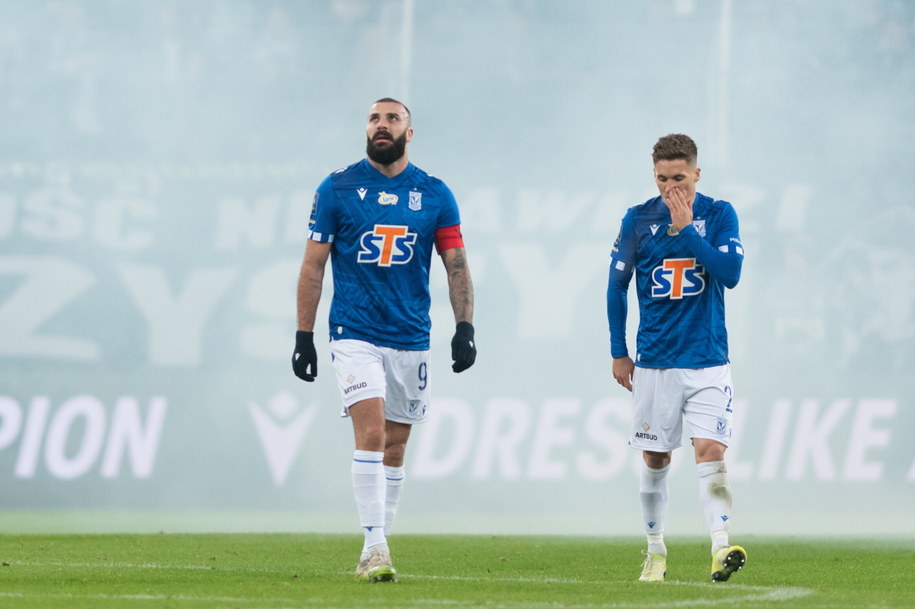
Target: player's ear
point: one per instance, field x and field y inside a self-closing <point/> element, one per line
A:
<point x="409" y="134"/>
<point x="698" y="171"/>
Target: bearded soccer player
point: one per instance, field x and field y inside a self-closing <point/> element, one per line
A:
<point x="684" y="249"/>
<point x="379" y="221"/>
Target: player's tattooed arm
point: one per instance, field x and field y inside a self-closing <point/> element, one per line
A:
<point x="311" y="278"/>
<point x="460" y="283"/>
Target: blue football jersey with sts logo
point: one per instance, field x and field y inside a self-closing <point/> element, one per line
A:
<point x="680" y="283"/>
<point x="383" y="234"/>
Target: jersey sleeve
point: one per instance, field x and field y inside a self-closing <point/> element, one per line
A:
<point x="621" y="270"/>
<point x="723" y="258"/>
<point x="322" y="225"/>
<point x="449" y="214"/>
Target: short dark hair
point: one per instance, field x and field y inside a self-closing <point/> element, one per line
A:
<point x="675" y="146"/>
<point x="395" y="101"/>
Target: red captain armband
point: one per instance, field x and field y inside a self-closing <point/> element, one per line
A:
<point x="448" y="237"/>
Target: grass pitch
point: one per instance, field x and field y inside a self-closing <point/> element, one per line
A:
<point x="274" y="571"/>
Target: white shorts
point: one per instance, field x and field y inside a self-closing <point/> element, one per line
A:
<point x="400" y="378"/>
<point x="664" y="398"/>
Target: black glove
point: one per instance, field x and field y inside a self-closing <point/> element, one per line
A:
<point x="305" y="356"/>
<point x="463" y="351"/>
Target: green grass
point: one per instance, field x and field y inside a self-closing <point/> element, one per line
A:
<point x="248" y="571"/>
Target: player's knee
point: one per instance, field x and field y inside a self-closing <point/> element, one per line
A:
<point x="656" y="460"/>
<point x="394" y="454"/>
<point x="709" y="450"/>
<point x="370" y="437"/>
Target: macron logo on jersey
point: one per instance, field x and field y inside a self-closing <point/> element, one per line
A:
<point x="386" y="244"/>
<point x="676" y="278"/>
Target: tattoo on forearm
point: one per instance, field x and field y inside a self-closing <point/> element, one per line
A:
<point x="460" y="287"/>
<point x="315" y="283"/>
<point x="459" y="261"/>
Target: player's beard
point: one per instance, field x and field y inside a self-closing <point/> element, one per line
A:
<point x="387" y="154"/>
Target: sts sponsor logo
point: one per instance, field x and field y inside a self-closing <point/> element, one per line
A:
<point x="677" y="277"/>
<point x="386" y="244"/>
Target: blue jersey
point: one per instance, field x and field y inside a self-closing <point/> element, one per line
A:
<point x="680" y="283"/>
<point x="383" y="233"/>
